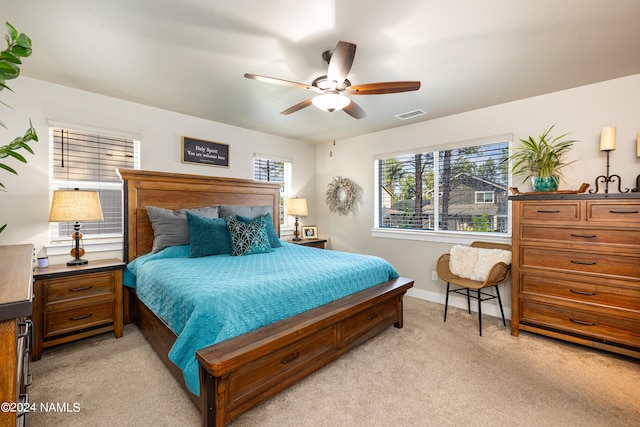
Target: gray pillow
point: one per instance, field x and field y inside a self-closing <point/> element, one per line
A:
<point x="170" y="227"/>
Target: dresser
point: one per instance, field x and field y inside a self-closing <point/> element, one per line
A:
<point x="16" y="266"/>
<point x="576" y="269"/>
<point x="73" y="302"/>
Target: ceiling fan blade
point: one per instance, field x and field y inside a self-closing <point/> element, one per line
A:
<point x="279" y="81"/>
<point x="298" y="106"/>
<point x="340" y="62"/>
<point x="381" y="88"/>
<point x="354" y="110"/>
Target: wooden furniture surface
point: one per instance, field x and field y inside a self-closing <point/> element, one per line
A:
<point x="314" y="243"/>
<point x="16" y="267"/>
<point x="239" y="373"/>
<point x="73" y="302"/>
<point x="576" y="269"/>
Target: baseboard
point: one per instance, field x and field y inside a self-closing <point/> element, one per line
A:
<point x="489" y="308"/>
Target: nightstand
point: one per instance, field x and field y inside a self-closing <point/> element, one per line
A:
<point x="73" y="302"/>
<point x="316" y="243"/>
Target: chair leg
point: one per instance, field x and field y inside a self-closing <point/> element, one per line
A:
<point x="468" y="301"/>
<point x="504" y="322"/>
<point x="446" y="302"/>
<point x="480" y="312"/>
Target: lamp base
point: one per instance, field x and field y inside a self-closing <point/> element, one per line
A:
<point x="296" y="239"/>
<point x="77" y="261"/>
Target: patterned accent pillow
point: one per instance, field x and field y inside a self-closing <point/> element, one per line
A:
<point x="207" y="236"/>
<point x="248" y="238"/>
<point x="274" y="240"/>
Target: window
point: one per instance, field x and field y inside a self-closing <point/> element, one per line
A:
<point x="458" y="189"/>
<point x="88" y="161"/>
<point x="485" y="196"/>
<point x="268" y="169"/>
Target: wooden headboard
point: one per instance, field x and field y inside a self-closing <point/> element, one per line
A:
<point x="176" y="191"/>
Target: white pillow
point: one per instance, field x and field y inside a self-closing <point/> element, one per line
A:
<point x="475" y="263"/>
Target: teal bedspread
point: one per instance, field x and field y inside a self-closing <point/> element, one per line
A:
<point x="211" y="299"/>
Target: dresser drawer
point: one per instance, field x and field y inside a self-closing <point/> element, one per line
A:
<point x="70" y="320"/>
<point x="593" y="291"/>
<point x="584" y="262"/>
<point x="63" y="290"/>
<point x="351" y="329"/>
<point x="542" y="211"/>
<point x="619" y="212"/>
<point x="256" y="376"/>
<point x="591" y="323"/>
<point x="581" y="235"/>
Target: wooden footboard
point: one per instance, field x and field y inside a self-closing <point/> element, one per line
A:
<point x="240" y="373"/>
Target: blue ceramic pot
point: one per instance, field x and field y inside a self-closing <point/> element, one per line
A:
<point x="547" y="183"/>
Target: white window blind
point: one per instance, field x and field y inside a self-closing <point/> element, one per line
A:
<point x="275" y="170"/>
<point x="459" y="189"/>
<point x="88" y="161"/>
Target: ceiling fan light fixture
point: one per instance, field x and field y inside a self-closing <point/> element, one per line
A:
<point x="331" y="101"/>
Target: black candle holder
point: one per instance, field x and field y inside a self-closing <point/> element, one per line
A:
<point x="637" y="189"/>
<point x="606" y="179"/>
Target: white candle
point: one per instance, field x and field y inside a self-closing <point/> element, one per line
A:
<point x="608" y="138"/>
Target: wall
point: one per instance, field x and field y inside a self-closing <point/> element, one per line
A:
<point x="583" y="111"/>
<point x="25" y="204"/>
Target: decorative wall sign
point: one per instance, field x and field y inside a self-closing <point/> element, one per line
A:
<point x="204" y="152"/>
<point x="341" y="195"/>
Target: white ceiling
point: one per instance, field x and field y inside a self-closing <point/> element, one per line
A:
<point x="190" y="56"/>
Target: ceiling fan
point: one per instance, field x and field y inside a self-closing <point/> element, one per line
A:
<point x="332" y="88"/>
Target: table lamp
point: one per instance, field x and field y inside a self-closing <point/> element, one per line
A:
<point x="297" y="207"/>
<point x="75" y="206"/>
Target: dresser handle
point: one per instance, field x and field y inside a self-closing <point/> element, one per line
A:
<point x="584" y="262"/>
<point x="81" y="289"/>
<point x="290" y="359"/>
<point x="586" y="236"/>
<point x="548" y="211"/>
<point x="581" y="322"/>
<point x="372" y="316"/>
<point x="582" y="292"/>
<point x="623" y="212"/>
<point x="86" y="316"/>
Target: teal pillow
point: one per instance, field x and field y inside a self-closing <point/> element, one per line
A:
<point x="207" y="236"/>
<point x="248" y="238"/>
<point x="274" y="240"/>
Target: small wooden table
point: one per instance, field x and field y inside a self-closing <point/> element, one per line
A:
<point x="316" y="243"/>
<point x="73" y="302"/>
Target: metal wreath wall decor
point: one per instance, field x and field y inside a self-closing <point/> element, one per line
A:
<point x="341" y="195"/>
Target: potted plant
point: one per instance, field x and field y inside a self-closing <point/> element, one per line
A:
<point x="542" y="159"/>
<point x="18" y="46"/>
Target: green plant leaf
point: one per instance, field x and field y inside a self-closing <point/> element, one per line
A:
<point x="12" y="32"/>
<point x="8" y="169"/>
<point x="2" y="228"/>
<point x="16" y="156"/>
<point x="8" y="56"/>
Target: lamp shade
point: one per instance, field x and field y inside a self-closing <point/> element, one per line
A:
<point x="297" y="207"/>
<point x="331" y="101"/>
<point x="75" y="205"/>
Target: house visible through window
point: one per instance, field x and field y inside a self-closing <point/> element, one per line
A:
<point x="273" y="170"/>
<point x="88" y="161"/>
<point x="461" y="189"/>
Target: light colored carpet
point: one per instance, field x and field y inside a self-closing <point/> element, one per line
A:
<point x="429" y="373"/>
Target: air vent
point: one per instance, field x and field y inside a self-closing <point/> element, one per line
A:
<point x="411" y="114"/>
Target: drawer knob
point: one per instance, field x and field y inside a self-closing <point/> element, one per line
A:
<point x="582" y="322"/>
<point x="548" y="211"/>
<point x="584" y="262"/>
<point x="582" y="292"/>
<point x="291" y="358"/>
<point x="623" y="212"/>
<point x="586" y="236"/>
<point x="81" y="289"/>
<point x="372" y="316"/>
<point x="86" y="316"/>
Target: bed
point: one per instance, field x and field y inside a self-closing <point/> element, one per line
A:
<point x="241" y="371"/>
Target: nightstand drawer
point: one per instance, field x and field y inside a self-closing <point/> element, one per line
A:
<point x="70" y="320"/>
<point x="61" y="290"/>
